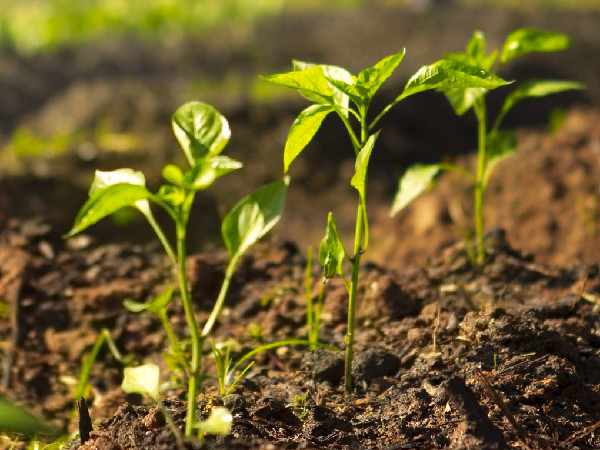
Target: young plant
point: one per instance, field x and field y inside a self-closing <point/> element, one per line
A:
<point x="225" y="373"/>
<point x="332" y="89"/>
<point x="202" y="133"/>
<point x="494" y="145"/>
<point x="145" y="380"/>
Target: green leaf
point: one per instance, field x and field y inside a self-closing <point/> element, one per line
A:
<point x="302" y="131"/>
<point x="446" y="74"/>
<point x="219" y="422"/>
<point x="528" y="40"/>
<point x="537" y="88"/>
<point x="355" y="93"/>
<point x="371" y="79"/>
<point x="156" y="305"/>
<point x="201" y="130"/>
<point x="173" y="174"/>
<point x="206" y="171"/>
<point x="414" y="181"/>
<point x="253" y="217"/>
<point x="339" y="97"/>
<point x="462" y="99"/>
<point x="501" y="145"/>
<point x="102" y="180"/>
<point x="361" y="165"/>
<point x="331" y="250"/>
<point x="476" y="49"/>
<point x="173" y="196"/>
<point x="144" y="380"/>
<point x="107" y="201"/>
<point x="15" y="419"/>
<point x="311" y="83"/>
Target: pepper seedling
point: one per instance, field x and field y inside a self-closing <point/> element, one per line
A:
<point x="332" y="89"/>
<point x="202" y="133"/>
<point x="494" y="144"/>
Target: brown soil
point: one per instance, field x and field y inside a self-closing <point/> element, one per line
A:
<point x="449" y="355"/>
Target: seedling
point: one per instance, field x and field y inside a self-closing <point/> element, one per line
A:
<point x="494" y="145"/>
<point x="334" y="89"/>
<point x="225" y="372"/>
<point x="299" y="408"/>
<point x="145" y="380"/>
<point x="202" y="133"/>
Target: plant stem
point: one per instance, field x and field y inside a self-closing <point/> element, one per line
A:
<point x="162" y="238"/>
<point x="196" y="338"/>
<point x="216" y="312"/>
<point x="349" y="339"/>
<point x="481" y="164"/>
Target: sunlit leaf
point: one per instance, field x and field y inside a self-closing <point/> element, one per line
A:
<point x="502" y="145"/>
<point x="157" y="304"/>
<point x="359" y="179"/>
<point x="206" y="171"/>
<point x="174" y="196"/>
<point x="219" y="422"/>
<point x="302" y="131"/>
<point x="528" y="40"/>
<point x="173" y="174"/>
<point x="107" y="201"/>
<point x="476" y="48"/>
<point x="144" y="380"/>
<point x="311" y="83"/>
<point x="253" y="217"/>
<point x="339" y="97"/>
<point x="102" y="180"/>
<point x="331" y="250"/>
<point x="537" y="88"/>
<point x="201" y="130"/>
<point x="414" y="181"/>
<point x="446" y="74"/>
<point x="463" y="99"/>
<point x="371" y="79"/>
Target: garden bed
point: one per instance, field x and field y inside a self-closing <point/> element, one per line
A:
<point x="449" y="355"/>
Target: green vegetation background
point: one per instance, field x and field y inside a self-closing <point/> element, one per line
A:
<point x="34" y="25"/>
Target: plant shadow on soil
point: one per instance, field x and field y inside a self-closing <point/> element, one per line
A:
<point x="449" y="356"/>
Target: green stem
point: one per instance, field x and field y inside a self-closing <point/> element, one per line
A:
<point x="349" y="339"/>
<point x="353" y="138"/>
<point x="164" y="319"/>
<point x="481" y="165"/>
<point x="196" y="338"/>
<point x="216" y="312"/>
<point x="162" y="238"/>
<point x="317" y="313"/>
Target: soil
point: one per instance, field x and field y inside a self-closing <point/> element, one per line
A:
<point x="506" y="355"/>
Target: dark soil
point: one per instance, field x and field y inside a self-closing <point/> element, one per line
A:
<point x="449" y="355"/>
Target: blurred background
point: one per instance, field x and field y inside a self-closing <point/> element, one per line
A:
<point x="92" y="84"/>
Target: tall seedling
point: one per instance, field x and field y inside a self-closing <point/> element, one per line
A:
<point x="202" y="133"/>
<point x="494" y="145"/>
<point x="333" y="89"/>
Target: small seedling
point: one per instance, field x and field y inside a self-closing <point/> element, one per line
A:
<point x="202" y="133"/>
<point x="299" y="408"/>
<point x="219" y="423"/>
<point x="332" y="89"/>
<point x="494" y="145"/>
<point x="225" y="371"/>
<point x="145" y="380"/>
